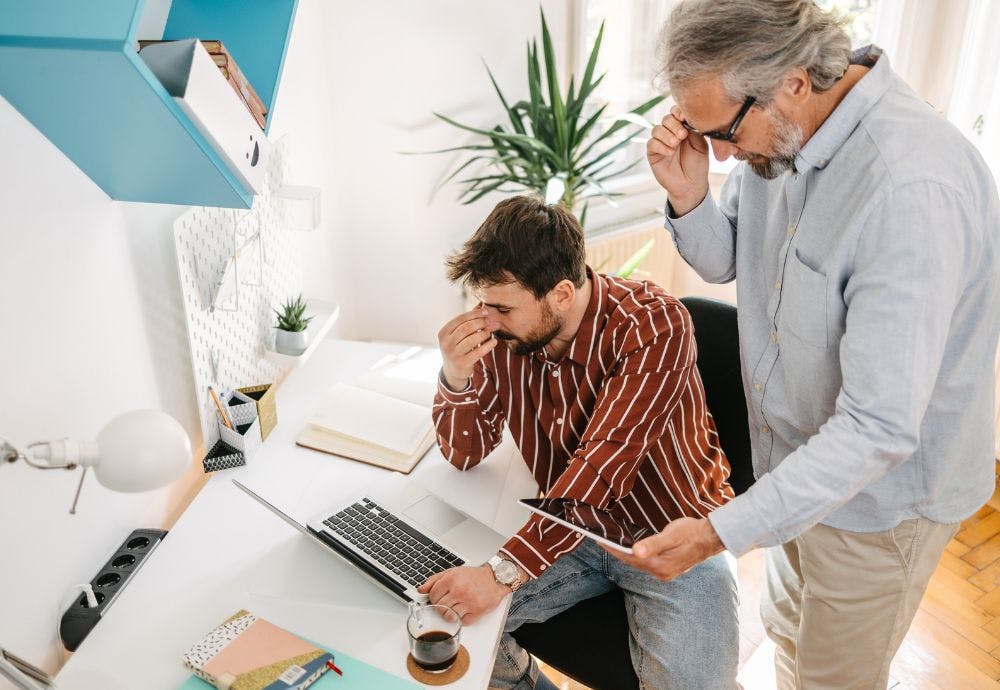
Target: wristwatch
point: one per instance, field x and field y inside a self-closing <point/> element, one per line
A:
<point x="505" y="572"/>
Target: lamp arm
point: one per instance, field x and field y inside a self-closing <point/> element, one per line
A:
<point x="62" y="454"/>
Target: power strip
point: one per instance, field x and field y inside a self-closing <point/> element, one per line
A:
<point x="79" y="619"/>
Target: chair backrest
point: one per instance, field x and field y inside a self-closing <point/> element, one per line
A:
<point x="718" y="338"/>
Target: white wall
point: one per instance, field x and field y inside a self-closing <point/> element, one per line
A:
<point x="91" y="323"/>
<point x="390" y="64"/>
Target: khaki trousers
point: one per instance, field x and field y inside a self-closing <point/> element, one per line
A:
<point x="837" y="604"/>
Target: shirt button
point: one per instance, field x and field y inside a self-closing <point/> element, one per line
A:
<point x="541" y="567"/>
<point x="765" y="430"/>
<point x="579" y="536"/>
<point x="777" y="286"/>
<point x="774" y="337"/>
<point x="556" y="373"/>
<point x="757" y="386"/>
<point x="468" y="399"/>
<point x="559" y="421"/>
<point x="791" y="230"/>
<point x="465" y="433"/>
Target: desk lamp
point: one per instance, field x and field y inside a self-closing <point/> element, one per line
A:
<point x="137" y="451"/>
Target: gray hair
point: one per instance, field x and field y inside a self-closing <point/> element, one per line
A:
<point x="751" y="45"/>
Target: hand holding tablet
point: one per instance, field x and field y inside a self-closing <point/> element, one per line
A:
<point x="593" y="522"/>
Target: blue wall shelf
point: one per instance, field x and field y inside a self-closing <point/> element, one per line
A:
<point x="71" y="69"/>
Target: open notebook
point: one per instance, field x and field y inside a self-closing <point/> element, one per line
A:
<point x="384" y="417"/>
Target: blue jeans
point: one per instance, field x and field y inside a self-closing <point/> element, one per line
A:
<point x="683" y="633"/>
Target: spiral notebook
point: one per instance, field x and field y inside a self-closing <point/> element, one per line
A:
<point x="246" y="652"/>
<point x="357" y="676"/>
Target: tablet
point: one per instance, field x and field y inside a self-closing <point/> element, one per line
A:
<point x="593" y="522"/>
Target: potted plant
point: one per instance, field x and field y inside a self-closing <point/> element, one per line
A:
<point x="292" y="330"/>
<point x="553" y="144"/>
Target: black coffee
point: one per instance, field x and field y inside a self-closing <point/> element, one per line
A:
<point x="435" y="650"/>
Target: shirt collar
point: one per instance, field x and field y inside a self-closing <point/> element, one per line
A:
<point x="841" y="123"/>
<point x="581" y="347"/>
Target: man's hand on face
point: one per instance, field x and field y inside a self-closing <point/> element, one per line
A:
<point x="470" y="592"/>
<point x="464" y="341"/>
<point x="679" y="161"/>
<point x="683" y="544"/>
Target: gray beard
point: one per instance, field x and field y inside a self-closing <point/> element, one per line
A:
<point x="787" y="144"/>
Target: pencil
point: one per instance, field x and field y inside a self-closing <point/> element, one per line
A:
<point x="218" y="406"/>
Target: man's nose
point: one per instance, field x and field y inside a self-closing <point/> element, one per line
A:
<point x="723" y="149"/>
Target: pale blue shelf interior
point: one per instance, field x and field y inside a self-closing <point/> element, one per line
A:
<point x="72" y="70"/>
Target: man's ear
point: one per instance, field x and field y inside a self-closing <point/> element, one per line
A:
<point x="561" y="296"/>
<point x="796" y="88"/>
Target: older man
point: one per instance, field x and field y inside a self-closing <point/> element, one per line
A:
<point x="863" y="232"/>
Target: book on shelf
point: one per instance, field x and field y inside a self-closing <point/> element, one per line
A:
<point x="384" y="417"/>
<point x="188" y="74"/>
<point x="232" y="73"/>
<point x="249" y="653"/>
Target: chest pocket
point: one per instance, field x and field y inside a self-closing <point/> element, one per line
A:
<point x="803" y="302"/>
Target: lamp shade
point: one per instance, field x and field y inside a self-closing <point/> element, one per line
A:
<point x="141" y="450"/>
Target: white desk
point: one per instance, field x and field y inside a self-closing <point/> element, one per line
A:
<point x="226" y="552"/>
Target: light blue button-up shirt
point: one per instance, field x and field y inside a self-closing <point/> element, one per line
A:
<point x="868" y="283"/>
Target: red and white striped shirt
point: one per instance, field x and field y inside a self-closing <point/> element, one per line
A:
<point x="619" y="422"/>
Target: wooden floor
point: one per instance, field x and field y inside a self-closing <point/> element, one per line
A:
<point x="954" y="642"/>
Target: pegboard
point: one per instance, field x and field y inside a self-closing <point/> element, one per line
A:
<point x="229" y="338"/>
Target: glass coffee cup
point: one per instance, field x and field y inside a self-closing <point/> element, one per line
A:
<point x="435" y="636"/>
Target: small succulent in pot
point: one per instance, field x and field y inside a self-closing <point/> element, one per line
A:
<point x="292" y="334"/>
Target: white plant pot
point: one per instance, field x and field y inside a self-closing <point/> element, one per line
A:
<point x="289" y="343"/>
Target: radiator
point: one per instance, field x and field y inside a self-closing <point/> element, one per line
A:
<point x="606" y="253"/>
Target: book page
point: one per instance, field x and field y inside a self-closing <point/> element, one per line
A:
<point x="410" y="376"/>
<point x="373" y="417"/>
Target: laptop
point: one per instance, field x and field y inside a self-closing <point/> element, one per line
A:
<point x="398" y="534"/>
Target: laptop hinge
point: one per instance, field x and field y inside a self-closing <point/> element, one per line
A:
<point x="383" y="579"/>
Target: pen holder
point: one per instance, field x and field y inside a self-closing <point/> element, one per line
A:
<point x="245" y="437"/>
<point x="267" y="412"/>
<point x="222" y="457"/>
<point x="241" y="409"/>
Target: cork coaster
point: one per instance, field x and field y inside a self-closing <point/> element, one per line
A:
<point x="456" y="671"/>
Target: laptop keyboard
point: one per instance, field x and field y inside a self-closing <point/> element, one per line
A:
<point x="391" y="542"/>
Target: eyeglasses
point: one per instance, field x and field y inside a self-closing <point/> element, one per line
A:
<point x="731" y="130"/>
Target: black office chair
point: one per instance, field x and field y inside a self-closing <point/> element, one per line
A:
<point x="589" y="641"/>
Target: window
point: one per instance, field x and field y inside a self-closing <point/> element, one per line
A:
<point x="627" y="56"/>
<point x="975" y="101"/>
<point x="862" y="17"/>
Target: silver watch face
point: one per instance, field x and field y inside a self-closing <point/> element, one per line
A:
<point x="506" y="572"/>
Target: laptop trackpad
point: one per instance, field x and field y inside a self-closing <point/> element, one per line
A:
<point x="433" y="514"/>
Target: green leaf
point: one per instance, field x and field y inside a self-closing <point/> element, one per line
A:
<point x="604" y="155"/>
<point x="586" y="87"/>
<point x="633" y="261"/>
<point x="590" y="122"/>
<point x="619" y="124"/>
<point x="505" y="136"/>
<point x="484" y="191"/>
<point x="555" y="98"/>
<point x="515" y="121"/>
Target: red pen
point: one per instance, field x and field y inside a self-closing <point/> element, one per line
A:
<point x="333" y="667"/>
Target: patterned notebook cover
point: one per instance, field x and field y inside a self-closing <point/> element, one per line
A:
<point x="249" y="653"/>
